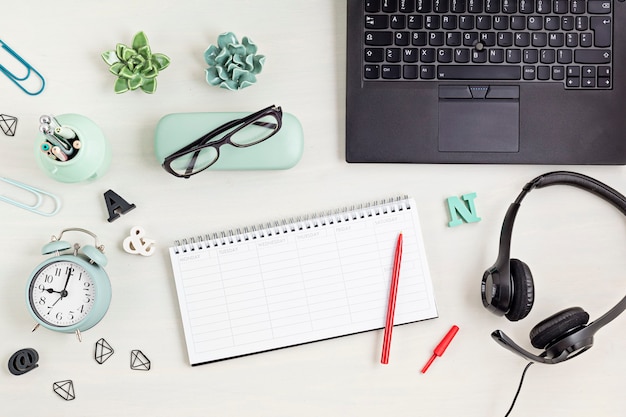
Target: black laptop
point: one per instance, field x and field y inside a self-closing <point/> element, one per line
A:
<point x="486" y="81"/>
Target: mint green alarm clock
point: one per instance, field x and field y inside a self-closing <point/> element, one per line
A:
<point x="69" y="292"/>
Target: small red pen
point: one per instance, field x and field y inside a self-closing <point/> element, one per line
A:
<point x="391" y="306"/>
<point x="441" y="347"/>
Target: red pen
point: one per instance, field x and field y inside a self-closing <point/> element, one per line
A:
<point x="391" y="306"/>
<point x="441" y="347"/>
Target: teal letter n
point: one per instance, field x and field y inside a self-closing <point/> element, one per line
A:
<point x="465" y="209"/>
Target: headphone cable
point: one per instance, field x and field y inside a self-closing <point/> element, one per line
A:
<point x="519" y="388"/>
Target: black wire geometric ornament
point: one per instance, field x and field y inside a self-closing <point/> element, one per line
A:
<point x="64" y="389"/>
<point x="103" y="351"/>
<point x="139" y="361"/>
<point x="8" y="124"/>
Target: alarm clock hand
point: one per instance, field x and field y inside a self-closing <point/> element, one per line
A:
<point x="63" y="292"/>
<point x="67" y="280"/>
<point x="55" y="303"/>
<point x="51" y="291"/>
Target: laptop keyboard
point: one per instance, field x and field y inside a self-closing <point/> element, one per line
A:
<point x="566" y="41"/>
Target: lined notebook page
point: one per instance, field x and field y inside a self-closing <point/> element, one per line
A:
<point x="300" y="281"/>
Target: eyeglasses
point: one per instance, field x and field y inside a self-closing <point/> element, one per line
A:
<point x="240" y="133"/>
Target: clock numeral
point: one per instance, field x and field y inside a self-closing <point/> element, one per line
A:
<point x="57" y="272"/>
<point x="48" y="278"/>
<point x="42" y="301"/>
<point x="59" y="316"/>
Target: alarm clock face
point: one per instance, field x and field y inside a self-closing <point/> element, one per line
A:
<point x="62" y="293"/>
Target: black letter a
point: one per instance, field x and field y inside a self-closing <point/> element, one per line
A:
<point x="116" y="205"/>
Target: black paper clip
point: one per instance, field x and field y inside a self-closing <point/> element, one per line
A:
<point x="29" y="71"/>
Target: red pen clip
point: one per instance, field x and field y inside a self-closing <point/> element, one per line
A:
<point x="441" y="347"/>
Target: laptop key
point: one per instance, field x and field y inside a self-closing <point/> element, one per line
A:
<point x="599" y="6"/>
<point x="371" y="72"/>
<point x="478" y="72"/>
<point x="374" y="54"/>
<point x="406" y="6"/>
<point x="592" y="56"/>
<point x="427" y="72"/>
<point x="529" y="72"/>
<point x="391" y="72"/>
<point x="390" y="6"/>
<point x="573" y="82"/>
<point x="422" y="6"/>
<point x="376" y="22"/>
<point x="372" y="6"/>
<point x="601" y="27"/>
<point x="509" y="6"/>
<point x="410" y="72"/>
<point x="378" y="38"/>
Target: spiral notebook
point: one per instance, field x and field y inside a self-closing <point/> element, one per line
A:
<point x="301" y="280"/>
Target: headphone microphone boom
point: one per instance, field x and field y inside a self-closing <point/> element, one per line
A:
<point x="507" y="287"/>
<point x="566" y="347"/>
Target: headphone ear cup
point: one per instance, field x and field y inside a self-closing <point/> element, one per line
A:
<point x="523" y="290"/>
<point x="557" y="326"/>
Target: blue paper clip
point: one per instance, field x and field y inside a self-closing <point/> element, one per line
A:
<point x="29" y="69"/>
<point x="39" y="195"/>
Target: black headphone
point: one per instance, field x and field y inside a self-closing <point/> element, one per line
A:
<point x="507" y="287"/>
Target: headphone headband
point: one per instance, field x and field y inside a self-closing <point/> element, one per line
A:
<point x="578" y="180"/>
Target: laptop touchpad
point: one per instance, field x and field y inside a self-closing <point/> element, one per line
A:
<point x="478" y="118"/>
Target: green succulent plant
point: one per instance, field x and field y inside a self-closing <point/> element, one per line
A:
<point x="233" y="65"/>
<point x="135" y="66"/>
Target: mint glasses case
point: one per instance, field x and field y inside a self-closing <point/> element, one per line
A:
<point x="281" y="151"/>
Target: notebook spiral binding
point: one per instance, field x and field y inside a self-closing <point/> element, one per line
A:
<point x="311" y="221"/>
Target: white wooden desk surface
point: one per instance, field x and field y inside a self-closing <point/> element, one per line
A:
<point x="573" y="242"/>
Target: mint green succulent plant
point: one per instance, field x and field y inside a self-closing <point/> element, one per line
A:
<point x="233" y="65"/>
<point x="135" y="66"/>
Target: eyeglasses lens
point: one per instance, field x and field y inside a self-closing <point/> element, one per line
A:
<point x="255" y="132"/>
<point x="204" y="158"/>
